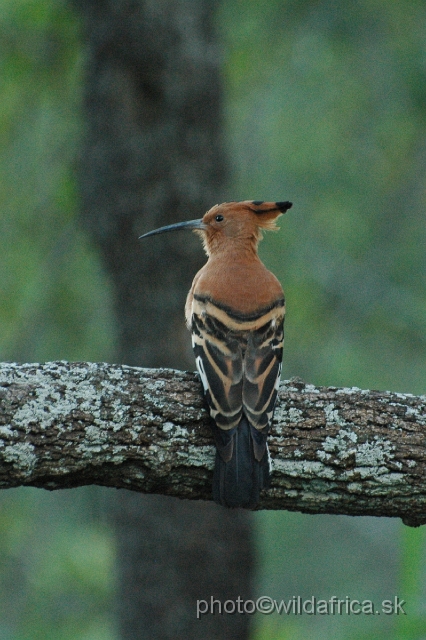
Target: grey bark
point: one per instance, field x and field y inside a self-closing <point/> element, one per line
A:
<point x="340" y="451"/>
<point x="153" y="154"/>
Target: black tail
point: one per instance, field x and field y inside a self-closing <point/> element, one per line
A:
<point x="238" y="475"/>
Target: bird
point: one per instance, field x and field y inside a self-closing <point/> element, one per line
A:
<point x="235" y="311"/>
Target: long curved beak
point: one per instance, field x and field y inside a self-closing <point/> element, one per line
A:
<point x="190" y="224"/>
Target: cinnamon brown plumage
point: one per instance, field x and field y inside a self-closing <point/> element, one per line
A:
<point x="235" y="311"/>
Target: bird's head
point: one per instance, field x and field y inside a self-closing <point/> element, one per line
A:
<point x="232" y="222"/>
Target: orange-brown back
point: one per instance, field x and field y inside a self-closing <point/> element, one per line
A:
<point x="234" y="275"/>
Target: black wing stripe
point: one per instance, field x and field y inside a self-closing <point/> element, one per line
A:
<point x="240" y="317"/>
<point x="239" y="367"/>
<point x="262" y="370"/>
<point x="220" y="366"/>
<point x="221" y="315"/>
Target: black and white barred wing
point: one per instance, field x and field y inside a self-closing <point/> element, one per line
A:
<point x="219" y="360"/>
<point x="239" y="361"/>
<point x="261" y="377"/>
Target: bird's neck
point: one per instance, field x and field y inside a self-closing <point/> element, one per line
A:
<point x="234" y="250"/>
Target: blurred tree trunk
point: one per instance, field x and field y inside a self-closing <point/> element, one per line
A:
<point x="152" y="155"/>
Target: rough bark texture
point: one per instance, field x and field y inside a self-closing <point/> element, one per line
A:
<point x="153" y="154"/>
<point x="341" y="451"/>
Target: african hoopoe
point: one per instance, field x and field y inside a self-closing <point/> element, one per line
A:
<point x="235" y="310"/>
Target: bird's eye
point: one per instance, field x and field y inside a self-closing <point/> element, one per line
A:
<point x="219" y="218"/>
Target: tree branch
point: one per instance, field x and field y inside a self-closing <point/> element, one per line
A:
<point x="340" y="451"/>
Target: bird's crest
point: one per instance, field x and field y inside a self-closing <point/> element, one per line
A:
<point x="233" y="221"/>
<point x="268" y="212"/>
<point x="235" y="309"/>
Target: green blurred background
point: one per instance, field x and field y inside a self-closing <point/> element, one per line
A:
<point x="325" y="106"/>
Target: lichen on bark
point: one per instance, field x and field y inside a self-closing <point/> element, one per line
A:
<point x="333" y="450"/>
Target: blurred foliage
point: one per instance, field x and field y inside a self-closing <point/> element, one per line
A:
<point x="57" y="567"/>
<point x="54" y="297"/>
<point x="325" y="106"/>
<point x="56" y="571"/>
